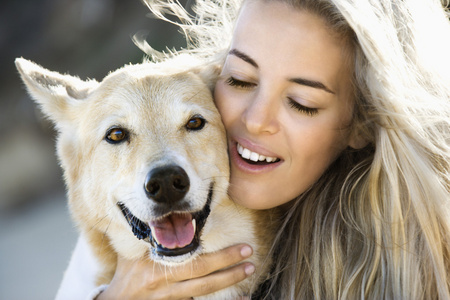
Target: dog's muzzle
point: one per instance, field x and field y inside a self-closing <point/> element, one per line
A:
<point x="177" y="230"/>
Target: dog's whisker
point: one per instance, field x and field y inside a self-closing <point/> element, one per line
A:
<point x="105" y="237"/>
<point x="94" y="226"/>
<point x="193" y="96"/>
<point x="213" y="177"/>
<point x="165" y="274"/>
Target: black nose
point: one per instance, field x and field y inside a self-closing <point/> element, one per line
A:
<point x="168" y="184"/>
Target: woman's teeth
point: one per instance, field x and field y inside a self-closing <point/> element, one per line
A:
<point x="253" y="156"/>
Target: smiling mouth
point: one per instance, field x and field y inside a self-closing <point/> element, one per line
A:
<point x="174" y="234"/>
<point x="255" y="158"/>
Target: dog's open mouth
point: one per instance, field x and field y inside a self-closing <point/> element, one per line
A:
<point x="174" y="234"/>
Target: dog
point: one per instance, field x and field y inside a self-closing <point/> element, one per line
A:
<point x="146" y="167"/>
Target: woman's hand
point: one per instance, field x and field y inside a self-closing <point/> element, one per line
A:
<point x="145" y="279"/>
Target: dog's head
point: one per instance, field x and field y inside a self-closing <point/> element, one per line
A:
<point x="143" y="153"/>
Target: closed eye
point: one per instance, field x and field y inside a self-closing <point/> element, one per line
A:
<point x="231" y="81"/>
<point x="303" y="109"/>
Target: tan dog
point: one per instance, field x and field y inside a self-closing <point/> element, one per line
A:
<point x="145" y="164"/>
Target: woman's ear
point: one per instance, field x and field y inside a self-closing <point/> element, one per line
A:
<point x="357" y="139"/>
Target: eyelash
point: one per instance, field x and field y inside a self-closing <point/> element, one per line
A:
<point x="303" y="109"/>
<point x="239" y="83"/>
<point x="295" y="105"/>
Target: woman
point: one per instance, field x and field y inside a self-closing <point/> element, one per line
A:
<point x="347" y="104"/>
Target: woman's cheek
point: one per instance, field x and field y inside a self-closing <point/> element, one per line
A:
<point x="223" y="101"/>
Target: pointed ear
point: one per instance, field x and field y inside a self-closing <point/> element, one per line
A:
<point x="209" y="74"/>
<point x="57" y="94"/>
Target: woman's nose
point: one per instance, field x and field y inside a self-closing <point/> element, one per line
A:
<point x="260" y="116"/>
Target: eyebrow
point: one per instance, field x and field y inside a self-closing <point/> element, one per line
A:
<point x="301" y="81"/>
<point x="312" y="83"/>
<point x="243" y="56"/>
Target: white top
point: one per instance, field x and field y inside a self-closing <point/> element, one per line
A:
<point x="79" y="278"/>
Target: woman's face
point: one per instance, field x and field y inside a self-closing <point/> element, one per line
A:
<point x="285" y="99"/>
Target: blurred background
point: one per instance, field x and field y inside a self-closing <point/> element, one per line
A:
<point x="87" y="38"/>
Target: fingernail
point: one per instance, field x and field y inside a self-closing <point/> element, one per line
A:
<point x="249" y="269"/>
<point x="246" y="251"/>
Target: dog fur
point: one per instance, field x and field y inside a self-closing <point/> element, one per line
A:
<point x="154" y="106"/>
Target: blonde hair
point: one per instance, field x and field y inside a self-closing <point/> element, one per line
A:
<point x="376" y="225"/>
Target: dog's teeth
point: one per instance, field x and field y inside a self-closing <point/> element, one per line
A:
<point x="262" y="157"/>
<point x="194" y="224"/>
<point x="152" y="228"/>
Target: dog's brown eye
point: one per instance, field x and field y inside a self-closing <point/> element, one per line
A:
<point x="116" y="135"/>
<point x="195" y="123"/>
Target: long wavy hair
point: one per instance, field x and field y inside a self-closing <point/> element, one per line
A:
<point x="376" y="225"/>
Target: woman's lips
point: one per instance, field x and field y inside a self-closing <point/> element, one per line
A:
<point x="248" y="160"/>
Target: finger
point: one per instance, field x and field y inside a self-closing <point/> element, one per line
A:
<point x="164" y="281"/>
<point x="215" y="282"/>
<point x="212" y="262"/>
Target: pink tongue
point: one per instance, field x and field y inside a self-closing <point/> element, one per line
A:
<point x="174" y="231"/>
